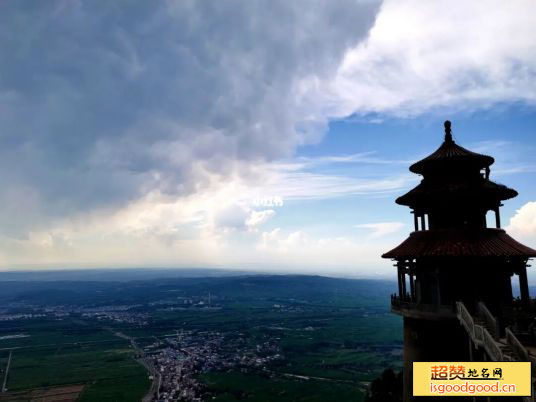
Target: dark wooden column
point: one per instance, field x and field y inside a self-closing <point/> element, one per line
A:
<point x="403" y="277"/>
<point x="399" y="267"/>
<point x="524" y="284"/>
<point x="412" y="286"/>
<point x="423" y="222"/>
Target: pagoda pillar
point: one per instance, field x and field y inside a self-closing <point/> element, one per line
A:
<point x="400" y="294"/>
<point x="411" y="287"/>
<point x="524" y="284"/>
<point x="403" y="277"/>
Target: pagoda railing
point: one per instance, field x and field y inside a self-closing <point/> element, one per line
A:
<point x="516" y="346"/>
<point x="466" y="319"/>
<point x="491" y="346"/>
<point x="481" y="337"/>
<point x="478" y="333"/>
<point x="522" y="354"/>
<point x="490" y="320"/>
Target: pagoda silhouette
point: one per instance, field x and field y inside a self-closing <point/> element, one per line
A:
<point x="455" y="273"/>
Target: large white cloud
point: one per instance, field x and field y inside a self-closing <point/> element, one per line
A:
<point x="422" y="55"/>
<point x="523" y="224"/>
<point x="215" y="226"/>
<point x="138" y="134"/>
<point x="104" y="102"/>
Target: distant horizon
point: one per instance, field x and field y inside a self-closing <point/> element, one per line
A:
<point x="224" y="272"/>
<point x="192" y="271"/>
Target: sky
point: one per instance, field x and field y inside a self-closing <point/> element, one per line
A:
<point x="257" y="135"/>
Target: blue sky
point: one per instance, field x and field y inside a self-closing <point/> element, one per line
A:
<point x="506" y="133"/>
<point x="389" y="146"/>
<point x="257" y="134"/>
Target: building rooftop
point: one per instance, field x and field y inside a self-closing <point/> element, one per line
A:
<point x="483" y="189"/>
<point x="457" y="243"/>
<point x="450" y="153"/>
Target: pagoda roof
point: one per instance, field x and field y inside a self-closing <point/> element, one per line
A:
<point x="456" y="243"/>
<point x="451" y="153"/>
<point x="484" y="187"/>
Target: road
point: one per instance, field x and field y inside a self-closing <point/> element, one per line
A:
<point x="4" y="384"/>
<point x="56" y="344"/>
<point x="307" y="377"/>
<point x="155" y="385"/>
<point x="147" y="363"/>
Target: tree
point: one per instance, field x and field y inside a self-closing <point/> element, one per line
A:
<point x="387" y="388"/>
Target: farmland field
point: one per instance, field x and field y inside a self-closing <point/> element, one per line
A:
<point x="288" y="340"/>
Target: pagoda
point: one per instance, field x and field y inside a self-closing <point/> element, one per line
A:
<point x="454" y="272"/>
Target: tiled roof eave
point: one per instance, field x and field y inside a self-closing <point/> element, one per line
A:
<point x="487" y="188"/>
<point x="456" y="243"/>
<point x="451" y="153"/>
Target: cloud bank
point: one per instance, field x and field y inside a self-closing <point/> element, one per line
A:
<point x="135" y="133"/>
<point x="105" y="102"/>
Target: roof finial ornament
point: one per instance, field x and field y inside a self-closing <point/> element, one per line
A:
<point x="448" y="133"/>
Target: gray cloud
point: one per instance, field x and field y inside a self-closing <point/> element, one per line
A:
<point x="102" y="102"/>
